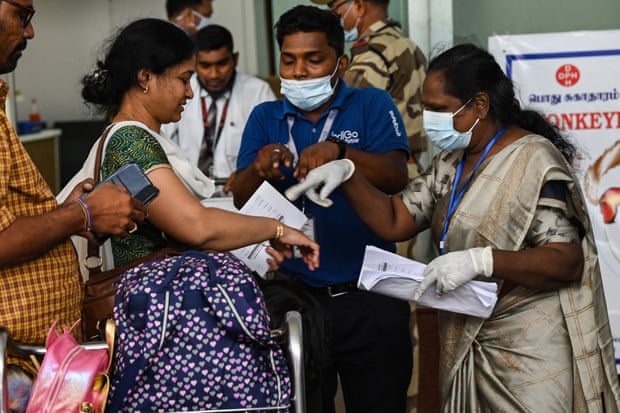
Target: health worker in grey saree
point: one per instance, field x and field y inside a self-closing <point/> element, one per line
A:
<point x="504" y="206"/>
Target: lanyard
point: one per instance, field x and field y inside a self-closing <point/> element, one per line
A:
<point x="327" y="127"/>
<point x="456" y="198"/>
<point x="220" y="125"/>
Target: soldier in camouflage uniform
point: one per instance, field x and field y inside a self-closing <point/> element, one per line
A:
<point x="385" y="58"/>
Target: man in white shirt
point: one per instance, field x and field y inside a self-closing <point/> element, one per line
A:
<point x="214" y="145"/>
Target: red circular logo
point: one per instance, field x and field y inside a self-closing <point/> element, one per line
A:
<point x="567" y="75"/>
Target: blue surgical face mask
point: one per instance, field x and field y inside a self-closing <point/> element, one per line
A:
<point x="352" y="34"/>
<point x="311" y="93"/>
<point x="439" y="127"/>
<point x="204" y="20"/>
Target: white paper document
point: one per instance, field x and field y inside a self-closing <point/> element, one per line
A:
<point x="390" y="274"/>
<point x="267" y="202"/>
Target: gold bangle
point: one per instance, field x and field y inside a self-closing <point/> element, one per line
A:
<point x="279" y="231"/>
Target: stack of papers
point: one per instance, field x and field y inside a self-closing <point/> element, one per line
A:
<point x="390" y="274"/>
<point x="267" y="202"/>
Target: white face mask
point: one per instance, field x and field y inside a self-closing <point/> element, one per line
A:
<point x="204" y="20"/>
<point x="439" y="127"/>
<point x="352" y="34"/>
<point x="309" y="94"/>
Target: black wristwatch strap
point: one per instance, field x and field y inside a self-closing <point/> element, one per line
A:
<point x="342" y="146"/>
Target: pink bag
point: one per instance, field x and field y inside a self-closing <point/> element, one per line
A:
<point x="72" y="378"/>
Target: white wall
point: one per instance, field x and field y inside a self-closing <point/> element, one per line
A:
<point x="430" y="24"/>
<point x="70" y="34"/>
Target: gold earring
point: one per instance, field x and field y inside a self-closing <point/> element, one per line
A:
<point x="146" y="90"/>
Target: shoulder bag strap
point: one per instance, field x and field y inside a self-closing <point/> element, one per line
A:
<point x="93" y="248"/>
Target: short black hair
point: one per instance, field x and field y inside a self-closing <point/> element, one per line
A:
<point x="173" y="7"/>
<point x="214" y="37"/>
<point x="311" y="19"/>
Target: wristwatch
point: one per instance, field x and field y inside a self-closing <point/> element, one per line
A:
<point x="342" y="146"/>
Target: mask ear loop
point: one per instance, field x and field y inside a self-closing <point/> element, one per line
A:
<point x="351" y="4"/>
<point x="462" y="107"/>
<point x="348" y="10"/>
<point x="474" y="125"/>
<point x="336" y="68"/>
<point x="334" y="73"/>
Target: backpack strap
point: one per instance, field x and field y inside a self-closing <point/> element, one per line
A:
<point x="236" y="324"/>
<point x="195" y="299"/>
<point x="133" y="370"/>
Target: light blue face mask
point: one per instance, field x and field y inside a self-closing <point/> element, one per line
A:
<point x="352" y="34"/>
<point x="439" y="127"/>
<point x="204" y="20"/>
<point x="311" y="93"/>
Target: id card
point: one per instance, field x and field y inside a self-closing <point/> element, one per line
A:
<point x="309" y="231"/>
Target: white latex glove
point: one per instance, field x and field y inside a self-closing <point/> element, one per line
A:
<point x="329" y="176"/>
<point x="456" y="268"/>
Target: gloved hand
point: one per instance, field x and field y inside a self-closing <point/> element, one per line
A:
<point x="456" y="268"/>
<point x="329" y="175"/>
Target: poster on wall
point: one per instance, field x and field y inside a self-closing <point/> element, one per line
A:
<point x="572" y="78"/>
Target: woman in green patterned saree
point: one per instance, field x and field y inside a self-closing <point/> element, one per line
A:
<point x="503" y="206"/>
<point x="143" y="82"/>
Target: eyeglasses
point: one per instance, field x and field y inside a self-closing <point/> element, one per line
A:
<point x="27" y="12"/>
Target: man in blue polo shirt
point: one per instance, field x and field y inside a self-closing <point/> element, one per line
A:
<point x="319" y="120"/>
